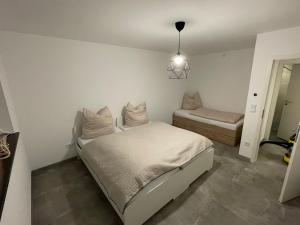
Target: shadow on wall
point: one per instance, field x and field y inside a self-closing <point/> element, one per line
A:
<point x="76" y="131"/>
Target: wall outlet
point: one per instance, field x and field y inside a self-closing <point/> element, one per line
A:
<point x="253" y="108"/>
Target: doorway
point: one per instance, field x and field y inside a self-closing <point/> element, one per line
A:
<point x="281" y="121"/>
<point x="290" y="113"/>
<point x="281" y="102"/>
<point x="282" y="110"/>
<point x="286" y="115"/>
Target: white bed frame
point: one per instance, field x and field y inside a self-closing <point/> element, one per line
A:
<point x="162" y="190"/>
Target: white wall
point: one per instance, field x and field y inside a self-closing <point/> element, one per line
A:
<point x="222" y="79"/>
<point x="52" y="78"/>
<point x="17" y="207"/>
<point x="281" y="44"/>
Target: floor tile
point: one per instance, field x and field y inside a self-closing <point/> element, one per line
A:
<point x="233" y="192"/>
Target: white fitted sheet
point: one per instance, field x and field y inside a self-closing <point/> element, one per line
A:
<point x="124" y="127"/>
<point x="187" y="114"/>
<point x="81" y="142"/>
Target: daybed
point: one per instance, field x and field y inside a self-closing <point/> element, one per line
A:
<point x="215" y="129"/>
<point x="142" y="169"/>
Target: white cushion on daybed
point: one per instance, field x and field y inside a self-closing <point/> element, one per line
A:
<point x="187" y="114"/>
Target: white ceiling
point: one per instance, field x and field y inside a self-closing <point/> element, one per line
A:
<point x="212" y="25"/>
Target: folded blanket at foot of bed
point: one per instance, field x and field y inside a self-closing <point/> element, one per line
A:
<point x="227" y="117"/>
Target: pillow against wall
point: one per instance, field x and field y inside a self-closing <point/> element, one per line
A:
<point x="135" y="115"/>
<point x="191" y="101"/>
<point x="97" y="124"/>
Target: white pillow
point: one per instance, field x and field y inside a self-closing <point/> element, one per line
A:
<point x="97" y="124"/>
<point x="191" y="101"/>
<point x="135" y="115"/>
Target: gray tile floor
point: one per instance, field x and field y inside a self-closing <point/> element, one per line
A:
<point x="234" y="192"/>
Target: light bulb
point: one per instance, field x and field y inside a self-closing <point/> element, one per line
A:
<point x="178" y="59"/>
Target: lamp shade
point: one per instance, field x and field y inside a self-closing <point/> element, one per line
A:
<point x="179" y="67"/>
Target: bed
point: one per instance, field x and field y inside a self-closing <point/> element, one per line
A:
<point x="224" y="132"/>
<point x="169" y="160"/>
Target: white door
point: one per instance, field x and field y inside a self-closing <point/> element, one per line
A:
<point x="291" y="109"/>
<point x="291" y="184"/>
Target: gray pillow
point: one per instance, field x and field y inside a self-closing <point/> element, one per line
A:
<point x="135" y="115"/>
<point x="191" y="101"/>
<point x="97" y="124"/>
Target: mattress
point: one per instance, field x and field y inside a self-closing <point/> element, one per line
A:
<point x="187" y="114"/>
<point x="124" y="127"/>
<point x="151" y="186"/>
<point x="81" y="142"/>
<point x="128" y="161"/>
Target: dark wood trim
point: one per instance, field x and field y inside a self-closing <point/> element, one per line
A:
<point x="6" y="167"/>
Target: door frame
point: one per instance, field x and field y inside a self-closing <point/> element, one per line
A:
<point x="271" y="100"/>
<point x="273" y="87"/>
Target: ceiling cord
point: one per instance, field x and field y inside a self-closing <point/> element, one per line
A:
<point x="178" y="52"/>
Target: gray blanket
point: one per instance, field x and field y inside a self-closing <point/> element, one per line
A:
<point x="126" y="162"/>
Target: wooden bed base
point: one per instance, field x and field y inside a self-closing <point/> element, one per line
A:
<point x="220" y="134"/>
<point x="148" y="203"/>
